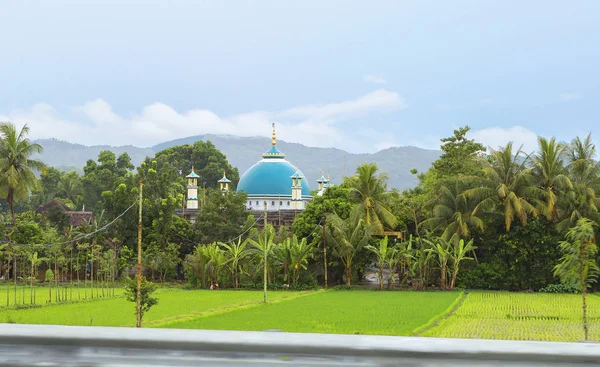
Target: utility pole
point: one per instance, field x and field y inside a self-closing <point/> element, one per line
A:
<point x="138" y="298"/>
<point x="265" y="254"/>
<point x="323" y="237"/>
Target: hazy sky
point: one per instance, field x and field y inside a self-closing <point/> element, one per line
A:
<point x="357" y="75"/>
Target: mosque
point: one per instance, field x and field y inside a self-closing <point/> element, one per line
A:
<point x="274" y="186"/>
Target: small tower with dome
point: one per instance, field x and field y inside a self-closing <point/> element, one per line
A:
<point x="224" y="184"/>
<point x="323" y="184"/>
<point x="192" y="190"/>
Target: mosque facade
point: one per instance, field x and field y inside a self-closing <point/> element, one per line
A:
<point x="274" y="186"/>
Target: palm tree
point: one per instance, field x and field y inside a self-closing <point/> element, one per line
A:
<point x="384" y="254"/>
<point x="215" y="260"/>
<point x="454" y="213"/>
<point x="370" y="192"/>
<point x="458" y="254"/>
<point x="236" y="252"/>
<point x="578" y="263"/>
<point x="17" y="176"/>
<point x="263" y="249"/>
<point x="70" y="186"/>
<point x="551" y="175"/>
<point x="347" y="238"/>
<point x="300" y="252"/>
<point x="584" y="172"/>
<point x="507" y="186"/>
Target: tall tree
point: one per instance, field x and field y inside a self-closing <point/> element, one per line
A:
<point x="17" y="176"/>
<point x="507" y="186"/>
<point x="578" y="264"/>
<point x="369" y="191"/>
<point x="551" y="174"/>
<point x="584" y="173"/>
<point x="454" y="214"/>
<point x="459" y="154"/>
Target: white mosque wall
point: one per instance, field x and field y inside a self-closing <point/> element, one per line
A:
<point x="275" y="204"/>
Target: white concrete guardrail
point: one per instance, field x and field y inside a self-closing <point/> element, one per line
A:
<point x="45" y="345"/>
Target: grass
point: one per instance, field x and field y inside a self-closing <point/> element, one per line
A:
<point x="342" y="312"/>
<point x="520" y="316"/>
<point x="41" y="293"/>
<point x="172" y="305"/>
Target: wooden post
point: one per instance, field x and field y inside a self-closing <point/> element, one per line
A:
<point x="323" y="237"/>
<point x="265" y="254"/>
<point x="138" y="298"/>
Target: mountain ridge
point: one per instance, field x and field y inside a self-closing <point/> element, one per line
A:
<point x="243" y="152"/>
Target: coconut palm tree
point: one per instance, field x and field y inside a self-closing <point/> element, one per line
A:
<point x="551" y="175"/>
<point x="370" y="192"/>
<point x="455" y="215"/>
<point x="347" y="238"/>
<point x="578" y="263"/>
<point x="584" y="172"/>
<point x="300" y="253"/>
<point x="17" y="169"/>
<point x="507" y="186"/>
<point x="70" y="186"/>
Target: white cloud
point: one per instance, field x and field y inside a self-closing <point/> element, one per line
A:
<point x="495" y="137"/>
<point x="95" y="122"/>
<point x="375" y="79"/>
<point x="570" y="97"/>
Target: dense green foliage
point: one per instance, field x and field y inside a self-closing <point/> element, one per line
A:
<point x="487" y="219"/>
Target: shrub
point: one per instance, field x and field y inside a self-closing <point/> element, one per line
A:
<point x="560" y="288"/>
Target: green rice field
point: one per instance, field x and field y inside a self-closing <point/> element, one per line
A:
<point x="172" y="305"/>
<point x="368" y="312"/>
<point x="482" y="315"/>
<point x="521" y="316"/>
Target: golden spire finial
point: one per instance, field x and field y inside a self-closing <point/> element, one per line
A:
<point x="328" y="177"/>
<point x="192" y="168"/>
<point x="273" y="137"/>
<point x="224" y="173"/>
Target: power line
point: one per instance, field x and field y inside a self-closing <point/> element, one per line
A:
<point x="79" y="238"/>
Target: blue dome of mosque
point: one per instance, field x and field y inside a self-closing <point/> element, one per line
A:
<point x="271" y="176"/>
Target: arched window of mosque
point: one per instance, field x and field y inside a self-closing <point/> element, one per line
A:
<point x="280" y="203"/>
<point x="273" y="203"/>
<point x="288" y="203"/>
<point x="257" y="202"/>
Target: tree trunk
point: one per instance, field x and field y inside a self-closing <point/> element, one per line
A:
<point x="443" y="280"/>
<point x="31" y="282"/>
<point x="10" y="198"/>
<point x="381" y="278"/>
<point x="454" y="276"/>
<point x="348" y="274"/>
<point x="583" y="289"/>
<point x="8" y="283"/>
